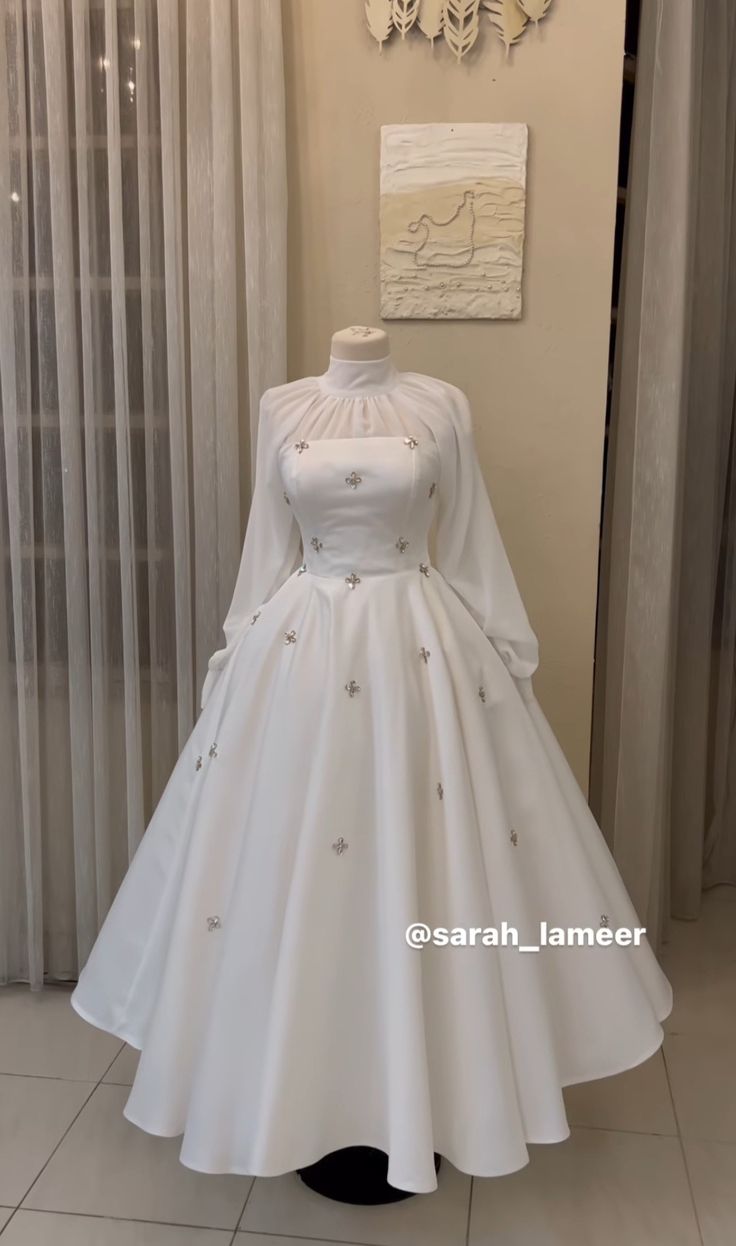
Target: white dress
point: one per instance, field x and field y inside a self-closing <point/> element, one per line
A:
<point x="369" y="754"/>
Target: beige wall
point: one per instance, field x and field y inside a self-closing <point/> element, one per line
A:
<point x="538" y="385"/>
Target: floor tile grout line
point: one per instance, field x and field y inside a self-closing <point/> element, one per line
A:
<point x="75" y="1081"/>
<point x="239" y="1220"/>
<point x="49" y="1158"/>
<point x="615" y="1129"/>
<point x="7" y="1222"/>
<point x="106" y="1215"/>
<point x="683" y="1152"/>
<point x="89" y="1096"/>
<point x="115" y="1058"/>
<point x="470" y="1211"/>
<point x="606" y="1129"/>
<point x="178" y="1224"/>
<point x="289" y="1237"/>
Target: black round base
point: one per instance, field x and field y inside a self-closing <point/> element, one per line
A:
<point x="356" y="1174"/>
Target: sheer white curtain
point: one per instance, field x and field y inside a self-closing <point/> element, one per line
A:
<point x="142" y="289"/>
<point x="664" y="759"/>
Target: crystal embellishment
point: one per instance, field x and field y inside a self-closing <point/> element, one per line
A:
<point x="353" y="480"/>
<point x="287" y="499"/>
<point x="482" y="693"/>
<point x="432" y="489"/>
<point x="214" y="923"/>
<point x="402" y="544"/>
<point x="255" y="617"/>
<point x="290" y="637"/>
<point x="424" y="654"/>
<point x="424" y="568"/>
<point x="315" y="543"/>
<point x="302" y="569"/>
<point x="605" y="921"/>
<point x="213" y="750"/>
<point x="440" y="791"/>
<point x="411" y="442"/>
<point x="340" y="846"/>
<point x="198" y="763"/>
<point x="300" y="446"/>
<point x="513" y="836"/>
<point x="352" y="688"/>
<point x="352" y="579"/>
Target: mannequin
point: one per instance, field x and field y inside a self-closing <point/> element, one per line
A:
<point x="395" y="686"/>
<point x="356" y="1174"/>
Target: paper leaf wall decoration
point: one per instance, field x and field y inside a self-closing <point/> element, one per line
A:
<point x="508" y="19"/>
<point x="457" y="20"/>
<point x="461" y="26"/>
<point x="404" y="15"/>
<point x="432" y="18"/>
<point x="378" y="15"/>
<point x="534" y="9"/>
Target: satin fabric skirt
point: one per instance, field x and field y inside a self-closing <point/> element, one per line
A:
<point x="256" y="952"/>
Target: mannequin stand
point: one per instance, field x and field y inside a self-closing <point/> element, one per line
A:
<point x="355" y="1174"/>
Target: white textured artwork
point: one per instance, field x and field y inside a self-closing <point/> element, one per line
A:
<point x="452" y="220"/>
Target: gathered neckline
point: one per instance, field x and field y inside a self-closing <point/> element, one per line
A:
<point x="359" y="378"/>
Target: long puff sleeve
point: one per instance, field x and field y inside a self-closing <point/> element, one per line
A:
<point x="470" y="554"/>
<point x="271" y="549"/>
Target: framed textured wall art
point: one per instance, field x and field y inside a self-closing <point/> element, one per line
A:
<point x="452" y="220"/>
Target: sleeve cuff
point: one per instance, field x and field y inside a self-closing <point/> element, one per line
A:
<point x="519" y="665"/>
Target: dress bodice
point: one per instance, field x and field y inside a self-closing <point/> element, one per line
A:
<point x="364" y="505"/>
<point x="345" y="468"/>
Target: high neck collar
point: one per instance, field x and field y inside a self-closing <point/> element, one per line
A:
<point x="359" y="378"/>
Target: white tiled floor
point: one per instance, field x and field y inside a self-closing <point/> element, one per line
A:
<point x="651" y="1160"/>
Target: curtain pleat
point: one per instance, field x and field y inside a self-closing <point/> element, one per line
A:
<point x="264" y="190"/>
<point x="22" y="856"/>
<point x="128" y="546"/>
<point x="175" y="378"/>
<point x="125" y="408"/>
<point x="75" y="696"/>
<point x="664" y="744"/>
<point x="714" y="384"/>
<point x="212" y="315"/>
<point x="147" y="150"/>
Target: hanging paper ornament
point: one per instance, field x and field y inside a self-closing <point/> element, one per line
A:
<point x="534" y="9"/>
<point x="404" y="15"/>
<point x="457" y="20"/>
<point x="508" y="19"/>
<point x="432" y="18"/>
<point x="461" y="25"/>
<point x="378" y="15"/>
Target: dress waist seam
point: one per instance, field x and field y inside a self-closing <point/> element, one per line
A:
<point x="423" y="569"/>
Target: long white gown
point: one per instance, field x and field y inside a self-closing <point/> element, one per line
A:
<point x="369" y="754"/>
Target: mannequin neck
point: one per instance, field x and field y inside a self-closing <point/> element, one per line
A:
<point x="359" y="376"/>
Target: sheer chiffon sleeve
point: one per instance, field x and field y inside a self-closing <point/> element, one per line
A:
<point x="271" y="549"/>
<point x="471" y="556"/>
